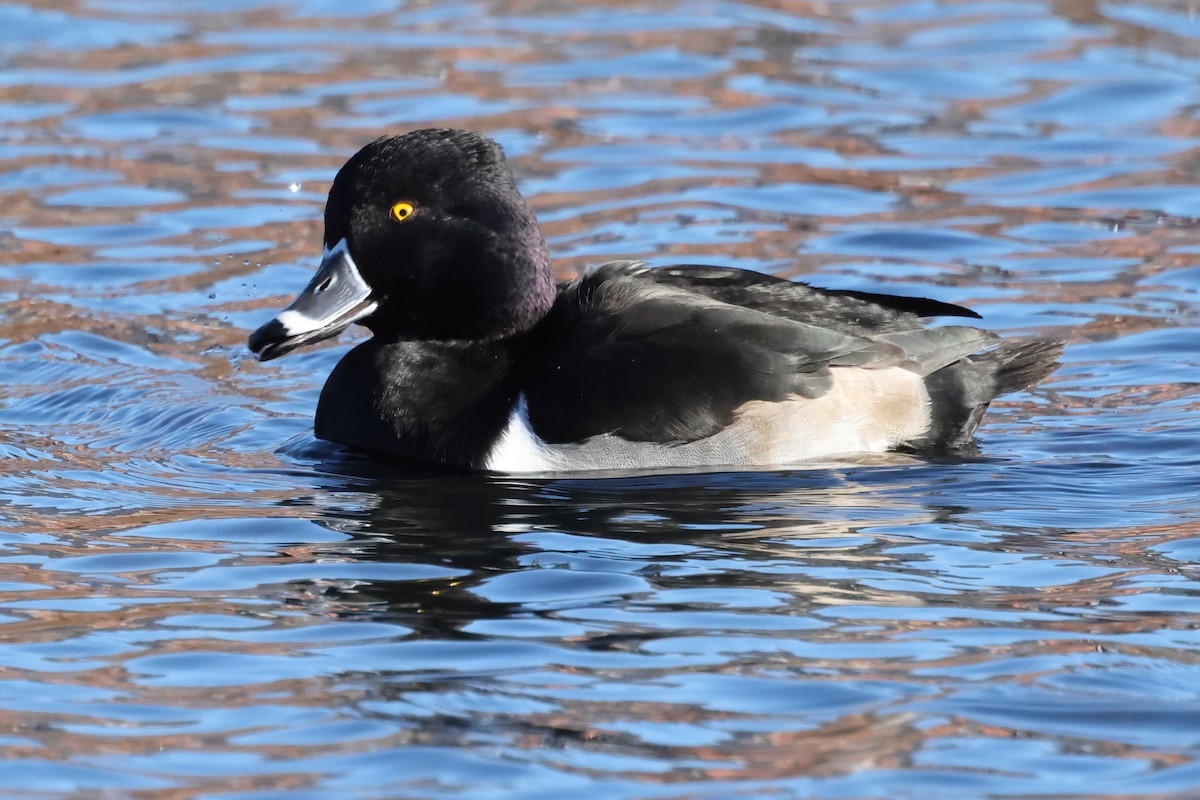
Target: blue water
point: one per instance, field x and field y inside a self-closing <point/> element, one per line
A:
<point x="199" y="600"/>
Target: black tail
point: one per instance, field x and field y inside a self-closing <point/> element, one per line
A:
<point x="961" y="392"/>
<point x="1019" y="365"/>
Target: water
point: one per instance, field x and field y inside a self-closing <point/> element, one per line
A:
<point x="198" y="600"/>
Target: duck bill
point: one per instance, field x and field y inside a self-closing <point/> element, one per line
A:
<point x="336" y="297"/>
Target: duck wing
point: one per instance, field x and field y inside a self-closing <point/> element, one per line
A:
<point x="625" y="353"/>
<point x="847" y="310"/>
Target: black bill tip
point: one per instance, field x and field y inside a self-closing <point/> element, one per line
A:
<point x="270" y="341"/>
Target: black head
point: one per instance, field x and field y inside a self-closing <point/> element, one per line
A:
<point x="426" y="237"/>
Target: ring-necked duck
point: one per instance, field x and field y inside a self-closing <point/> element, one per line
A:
<point x="480" y="361"/>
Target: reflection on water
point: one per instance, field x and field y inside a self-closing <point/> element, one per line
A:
<point x="827" y="630"/>
<point x="197" y="599"/>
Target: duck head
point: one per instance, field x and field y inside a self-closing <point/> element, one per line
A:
<point x="426" y="237"/>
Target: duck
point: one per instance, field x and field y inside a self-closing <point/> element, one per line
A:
<point x="480" y="360"/>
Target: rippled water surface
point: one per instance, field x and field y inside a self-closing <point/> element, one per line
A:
<point x="197" y="599"/>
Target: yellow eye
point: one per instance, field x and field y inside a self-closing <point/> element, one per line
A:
<point x="403" y="210"/>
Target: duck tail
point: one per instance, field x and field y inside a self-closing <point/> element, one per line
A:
<point x="960" y="393"/>
<point x="1019" y="365"/>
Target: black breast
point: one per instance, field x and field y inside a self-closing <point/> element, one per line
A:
<point x="427" y="401"/>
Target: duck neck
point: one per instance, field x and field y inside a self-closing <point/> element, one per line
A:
<point x="442" y="402"/>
